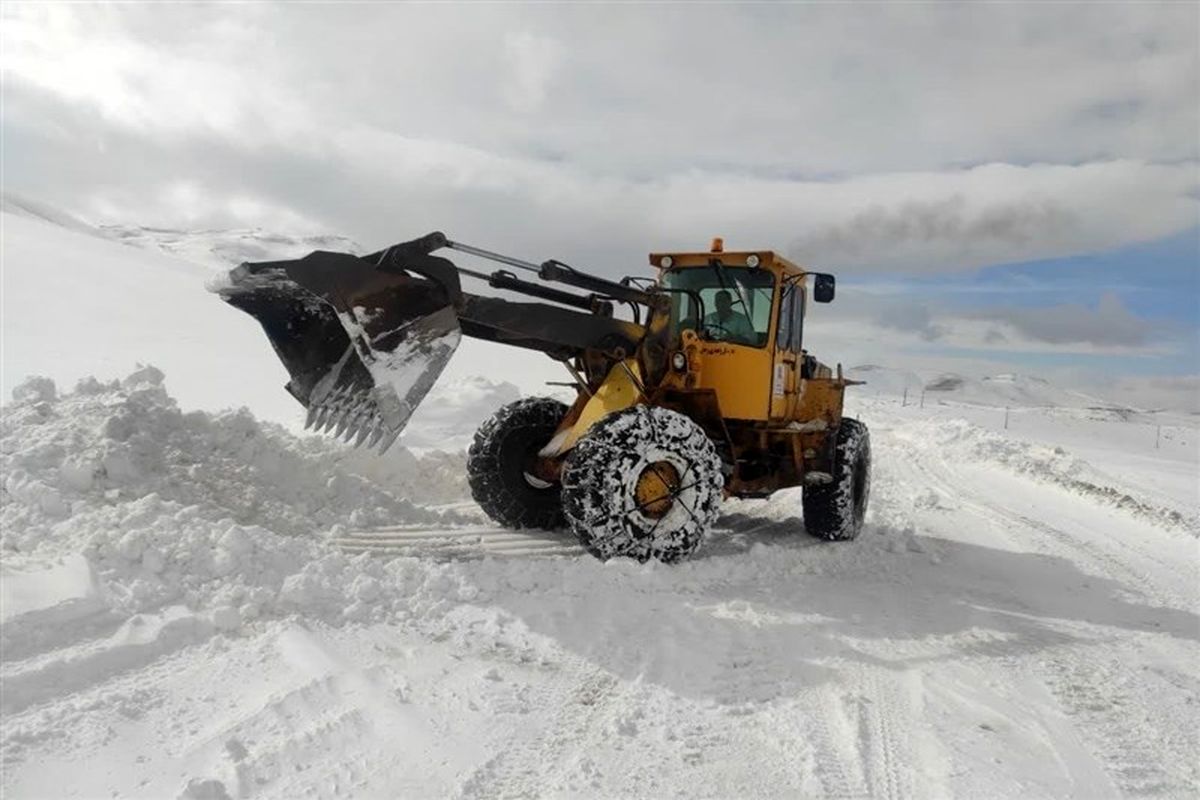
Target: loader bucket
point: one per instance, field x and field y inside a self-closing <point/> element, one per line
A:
<point x="362" y="345"/>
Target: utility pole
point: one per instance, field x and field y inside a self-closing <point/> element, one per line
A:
<point x="1006" y="418"/>
<point x="904" y="402"/>
<point x="1158" y="436"/>
<point x="922" y="397"/>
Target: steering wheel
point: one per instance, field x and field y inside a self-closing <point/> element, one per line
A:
<point x="716" y="326"/>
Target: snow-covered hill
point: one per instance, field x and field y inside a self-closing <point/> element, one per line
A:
<point x="999" y="390"/>
<point x="76" y="303"/>
<point x="19" y="206"/>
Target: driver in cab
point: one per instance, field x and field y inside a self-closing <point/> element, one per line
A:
<point x="727" y="324"/>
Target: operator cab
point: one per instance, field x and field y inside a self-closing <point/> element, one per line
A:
<point x="723" y="303"/>
<point x="738" y="318"/>
<point x="730" y="297"/>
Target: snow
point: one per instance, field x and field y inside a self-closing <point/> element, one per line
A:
<point x="76" y="304"/>
<point x="995" y="631"/>
<point x="181" y="614"/>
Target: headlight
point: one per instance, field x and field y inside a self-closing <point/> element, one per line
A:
<point x="666" y="262"/>
<point x="752" y="260"/>
<point x="679" y="361"/>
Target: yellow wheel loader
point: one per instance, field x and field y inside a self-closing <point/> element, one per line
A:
<point x="700" y="389"/>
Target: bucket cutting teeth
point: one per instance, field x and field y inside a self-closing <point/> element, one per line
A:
<point x="377" y="432"/>
<point x="343" y="419"/>
<point x="365" y="430"/>
<point x="362" y="341"/>
<point x="360" y="425"/>
<point x="338" y="407"/>
<point x="353" y="418"/>
<point x="351" y="413"/>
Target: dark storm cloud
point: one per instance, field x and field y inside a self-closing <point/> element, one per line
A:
<point x="906" y="315"/>
<point x="943" y="221"/>
<point x="1110" y="324"/>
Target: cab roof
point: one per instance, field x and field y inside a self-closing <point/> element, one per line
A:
<point x="767" y="259"/>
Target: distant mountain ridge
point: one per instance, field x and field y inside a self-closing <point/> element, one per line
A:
<point x="23" y="206"/>
<point x="1002" y="389"/>
<point x="225" y="248"/>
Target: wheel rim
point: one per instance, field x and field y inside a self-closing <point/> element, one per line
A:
<point x="656" y="489"/>
<point x="529" y="471"/>
<point x="535" y="482"/>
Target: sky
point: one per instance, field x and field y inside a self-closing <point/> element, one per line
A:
<point x="996" y="186"/>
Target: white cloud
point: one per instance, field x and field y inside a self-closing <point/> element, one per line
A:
<point x="89" y="56"/>
<point x="533" y="61"/>
<point x="191" y="205"/>
<point x="896" y="137"/>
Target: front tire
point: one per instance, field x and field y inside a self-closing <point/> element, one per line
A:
<point x="645" y="482"/>
<point x="500" y="460"/>
<point x="835" y="511"/>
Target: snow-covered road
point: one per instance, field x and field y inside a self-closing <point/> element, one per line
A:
<point x="1016" y="621"/>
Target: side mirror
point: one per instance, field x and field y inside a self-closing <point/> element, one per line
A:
<point x="823" y="287"/>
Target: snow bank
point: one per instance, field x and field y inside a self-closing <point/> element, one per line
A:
<point x="963" y="442"/>
<point x="213" y="511"/>
<point x="110" y="443"/>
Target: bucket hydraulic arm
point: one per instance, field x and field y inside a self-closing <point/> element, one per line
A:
<point x="364" y="338"/>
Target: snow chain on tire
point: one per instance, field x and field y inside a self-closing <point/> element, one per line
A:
<point x="499" y="459"/>
<point x="613" y="462"/>
<point x="834" y="511"/>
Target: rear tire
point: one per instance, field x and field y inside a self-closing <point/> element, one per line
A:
<point x="499" y="462"/>
<point x="645" y="482"/>
<point x="834" y="511"/>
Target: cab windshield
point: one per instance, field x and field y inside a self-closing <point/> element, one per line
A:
<point x="736" y="303"/>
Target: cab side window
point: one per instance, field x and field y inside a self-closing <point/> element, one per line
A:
<point x="797" y="325"/>
<point x="784" y="335"/>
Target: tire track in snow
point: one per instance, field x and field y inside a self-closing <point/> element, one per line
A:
<point x="838" y="764"/>
<point x="879" y="707"/>
<point x="76" y="669"/>
<point x="525" y="766"/>
<point x="1113" y="708"/>
<point x="1133" y="731"/>
<point x="858" y="733"/>
<point x="1012" y="523"/>
<point x="459" y="543"/>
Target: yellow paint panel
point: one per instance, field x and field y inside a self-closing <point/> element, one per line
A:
<point x="821" y="398"/>
<point x="619" y="391"/>
<point x="741" y="377"/>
